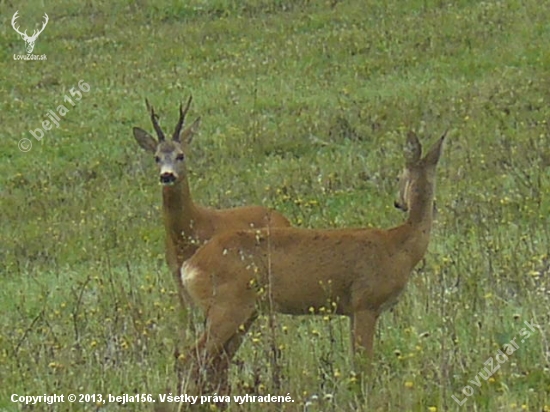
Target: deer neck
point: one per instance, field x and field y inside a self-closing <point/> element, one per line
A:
<point x="419" y="223"/>
<point x="180" y="214"/>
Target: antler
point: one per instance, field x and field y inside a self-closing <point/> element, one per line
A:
<point x="37" y="32"/>
<point x="154" y="119"/>
<point x="183" y="113"/>
<point x="15" y="16"/>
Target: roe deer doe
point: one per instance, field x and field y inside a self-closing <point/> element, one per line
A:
<point x="361" y="272"/>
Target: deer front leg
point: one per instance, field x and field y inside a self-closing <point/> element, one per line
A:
<point x="364" y="327"/>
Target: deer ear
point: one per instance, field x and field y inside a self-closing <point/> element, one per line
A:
<point x="145" y="140"/>
<point x="186" y="136"/>
<point x="413" y="149"/>
<point x="435" y="152"/>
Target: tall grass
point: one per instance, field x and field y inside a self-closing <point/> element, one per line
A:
<point x="304" y="108"/>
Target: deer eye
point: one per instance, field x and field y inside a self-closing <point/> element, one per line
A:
<point x="180" y="157"/>
<point x="157" y="159"/>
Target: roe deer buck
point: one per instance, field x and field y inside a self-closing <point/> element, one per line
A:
<point x="359" y="272"/>
<point x="189" y="225"/>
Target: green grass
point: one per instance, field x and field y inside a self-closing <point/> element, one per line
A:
<point x="304" y="107"/>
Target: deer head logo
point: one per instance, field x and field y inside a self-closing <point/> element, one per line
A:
<point x="29" y="40"/>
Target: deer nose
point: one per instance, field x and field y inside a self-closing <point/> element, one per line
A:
<point x="167" y="178"/>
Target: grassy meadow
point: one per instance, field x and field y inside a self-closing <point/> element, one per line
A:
<point x="305" y="106"/>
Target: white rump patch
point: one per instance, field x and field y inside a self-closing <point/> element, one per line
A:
<point x="188" y="272"/>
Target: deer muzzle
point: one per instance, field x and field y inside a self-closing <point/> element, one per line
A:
<point x="167" y="178"/>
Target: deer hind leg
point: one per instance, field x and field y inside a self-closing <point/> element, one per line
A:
<point x="224" y="358"/>
<point x="186" y="304"/>
<point x="208" y="362"/>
